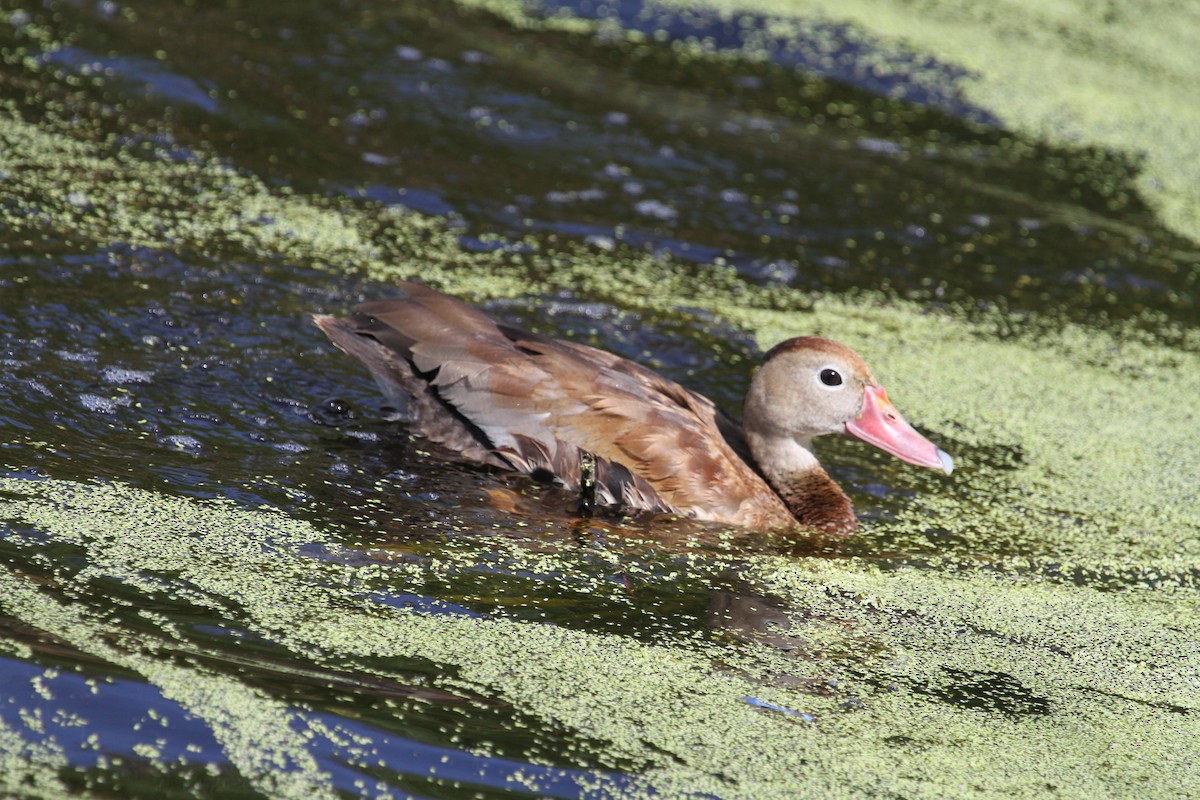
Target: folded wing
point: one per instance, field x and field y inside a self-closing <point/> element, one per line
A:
<point x="522" y="401"/>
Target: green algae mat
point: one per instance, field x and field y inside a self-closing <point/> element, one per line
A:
<point x="223" y="572"/>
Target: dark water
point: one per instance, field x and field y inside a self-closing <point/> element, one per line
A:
<point x="191" y="370"/>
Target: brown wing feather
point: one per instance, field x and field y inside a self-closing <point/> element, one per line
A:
<point x="534" y="403"/>
<point x="678" y="441"/>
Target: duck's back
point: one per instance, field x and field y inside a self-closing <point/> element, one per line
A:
<point x="522" y="401"/>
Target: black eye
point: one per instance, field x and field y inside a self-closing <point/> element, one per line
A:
<point x="831" y="377"/>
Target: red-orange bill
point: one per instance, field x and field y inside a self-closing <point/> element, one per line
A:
<point x="880" y="424"/>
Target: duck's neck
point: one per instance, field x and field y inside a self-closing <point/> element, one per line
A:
<point x="796" y="475"/>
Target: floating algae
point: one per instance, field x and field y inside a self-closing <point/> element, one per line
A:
<point x="1023" y="628"/>
<point x="1111" y="79"/>
<point x="933" y="666"/>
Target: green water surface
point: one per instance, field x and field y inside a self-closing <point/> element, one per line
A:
<point x="223" y="574"/>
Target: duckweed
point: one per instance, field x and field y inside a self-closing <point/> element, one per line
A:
<point x="1025" y="627"/>
<point x="945" y="680"/>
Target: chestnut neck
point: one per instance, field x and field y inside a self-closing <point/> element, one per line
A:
<point x="792" y="470"/>
<point x="816" y="501"/>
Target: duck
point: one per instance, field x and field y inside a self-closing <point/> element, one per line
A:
<point x="618" y="433"/>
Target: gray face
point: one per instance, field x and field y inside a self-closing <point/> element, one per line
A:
<point x="807" y="387"/>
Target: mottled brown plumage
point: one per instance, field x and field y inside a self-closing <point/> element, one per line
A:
<point x="521" y="401"/>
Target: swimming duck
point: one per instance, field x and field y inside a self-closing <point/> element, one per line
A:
<point x="594" y="422"/>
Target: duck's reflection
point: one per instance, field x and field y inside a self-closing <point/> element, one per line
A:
<point x="758" y="619"/>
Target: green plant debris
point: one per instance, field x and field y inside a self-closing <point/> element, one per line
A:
<point x="29" y="766"/>
<point x="956" y="683"/>
<point x="1034" y="636"/>
<point x="1117" y="78"/>
<point x="1067" y="74"/>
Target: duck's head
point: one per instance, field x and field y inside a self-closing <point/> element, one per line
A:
<point x="810" y="386"/>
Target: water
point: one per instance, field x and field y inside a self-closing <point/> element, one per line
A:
<point x="225" y="574"/>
